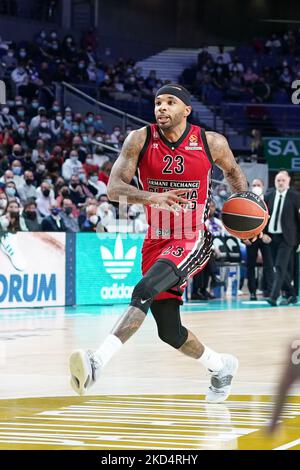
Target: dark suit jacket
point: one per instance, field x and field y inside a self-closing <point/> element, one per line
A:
<point x="290" y="216"/>
<point x="50" y="225"/>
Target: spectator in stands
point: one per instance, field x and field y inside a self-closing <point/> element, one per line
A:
<point x="19" y="80"/>
<point x="71" y="166"/>
<point x="17" y="170"/>
<point x="12" y="221"/>
<point x="7" y="120"/>
<point x="70" y="221"/>
<point x="53" y="222"/>
<point x="30" y="216"/>
<point x="220" y="196"/>
<point x="78" y="191"/>
<point x="92" y="220"/>
<point x="3" y="201"/>
<point x="45" y="199"/>
<point x="96" y="186"/>
<point x="27" y="190"/>
<point x="105" y="172"/>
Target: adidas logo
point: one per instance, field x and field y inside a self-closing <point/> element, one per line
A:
<point x="117" y="265"/>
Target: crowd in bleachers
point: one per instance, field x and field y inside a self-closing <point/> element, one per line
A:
<point x="260" y="73"/>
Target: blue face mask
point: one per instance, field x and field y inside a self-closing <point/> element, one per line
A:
<point x="10" y="192"/>
<point x="35" y="105"/>
<point x="75" y="128"/>
<point x="90" y="120"/>
<point x="17" y="170"/>
<point x="55" y="211"/>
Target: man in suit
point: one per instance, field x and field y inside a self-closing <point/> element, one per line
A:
<point x="54" y="222"/>
<point x="284" y="229"/>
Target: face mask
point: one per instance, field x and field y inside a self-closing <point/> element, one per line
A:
<point x="94" y="179"/>
<point x="82" y="178"/>
<point x="89" y="161"/>
<point x="74" y="159"/>
<point x="117" y="133"/>
<point x="53" y="35"/>
<point x="10" y="192"/>
<point x="68" y="118"/>
<point x="49" y="181"/>
<point x="17" y="153"/>
<point x="68" y="210"/>
<point x="65" y="193"/>
<point x="223" y="193"/>
<point x="81" y="66"/>
<point x="90" y="120"/>
<point x="10" y="54"/>
<point x="46" y="192"/>
<point x="14" y="214"/>
<point x="17" y="170"/>
<point x="43" y="34"/>
<point x="93" y="219"/>
<point x="257" y="190"/>
<point x="132" y="217"/>
<point x="85" y="139"/>
<point x="29" y="181"/>
<point x="76" y="129"/>
<point x="55" y="211"/>
<point x="30" y="215"/>
<point x="3" y="203"/>
<point x="35" y="105"/>
<point x="5" y="110"/>
<point x="21" y="113"/>
<point x="59" y="118"/>
<point x="21" y="131"/>
<point x="41" y="167"/>
<point x="55" y="108"/>
<point x="44" y="125"/>
<point x="23" y="54"/>
<point x="74" y="185"/>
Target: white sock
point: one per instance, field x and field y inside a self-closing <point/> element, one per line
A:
<point x="110" y="346"/>
<point x="211" y="359"/>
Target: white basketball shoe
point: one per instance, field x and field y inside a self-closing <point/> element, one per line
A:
<point x="9" y="246"/>
<point x="221" y="380"/>
<point x="85" y="370"/>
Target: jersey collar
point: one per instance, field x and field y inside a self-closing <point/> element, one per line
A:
<point x="174" y="145"/>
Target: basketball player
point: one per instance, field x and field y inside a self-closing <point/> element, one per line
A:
<point x="173" y="161"/>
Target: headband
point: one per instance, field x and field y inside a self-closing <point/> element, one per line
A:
<point x="175" y="90"/>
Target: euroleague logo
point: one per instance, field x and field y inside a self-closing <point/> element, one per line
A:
<point x="193" y="143"/>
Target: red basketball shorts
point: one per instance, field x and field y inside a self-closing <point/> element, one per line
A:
<point x="189" y="255"/>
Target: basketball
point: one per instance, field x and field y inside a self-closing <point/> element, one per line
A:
<point x="244" y="215"/>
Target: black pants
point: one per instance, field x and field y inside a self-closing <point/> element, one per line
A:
<point x="268" y="271"/>
<point x="281" y="253"/>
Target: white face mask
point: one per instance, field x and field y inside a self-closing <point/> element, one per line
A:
<point x="3" y="203"/>
<point x="93" y="219"/>
<point x="223" y="193"/>
<point x="257" y="190"/>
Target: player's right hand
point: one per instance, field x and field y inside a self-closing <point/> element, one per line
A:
<point x="169" y="200"/>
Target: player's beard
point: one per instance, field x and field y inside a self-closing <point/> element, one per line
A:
<point x="171" y="123"/>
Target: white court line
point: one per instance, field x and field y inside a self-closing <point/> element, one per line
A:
<point x="288" y="445"/>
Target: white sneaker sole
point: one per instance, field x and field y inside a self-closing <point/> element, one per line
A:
<point x="80" y="369"/>
<point x="221" y="399"/>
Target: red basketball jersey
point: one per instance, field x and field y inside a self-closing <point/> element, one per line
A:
<point x="185" y="164"/>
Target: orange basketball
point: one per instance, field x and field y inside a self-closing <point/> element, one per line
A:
<point x="245" y="215"/>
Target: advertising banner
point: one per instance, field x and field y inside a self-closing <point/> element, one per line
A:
<point x="32" y="269"/>
<point x="108" y="266"/>
<point x="282" y="153"/>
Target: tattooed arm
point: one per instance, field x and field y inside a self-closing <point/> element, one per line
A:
<point x="224" y="159"/>
<point x="124" y="170"/>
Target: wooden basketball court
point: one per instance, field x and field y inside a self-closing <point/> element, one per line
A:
<point x="150" y="396"/>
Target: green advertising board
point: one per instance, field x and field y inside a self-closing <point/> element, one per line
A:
<point x="282" y="152"/>
<point x="108" y="266"/>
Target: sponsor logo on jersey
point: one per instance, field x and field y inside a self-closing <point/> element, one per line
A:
<point x="193" y="143"/>
<point x="155" y="146"/>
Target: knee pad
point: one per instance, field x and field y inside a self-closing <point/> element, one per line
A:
<point x="167" y="316"/>
<point x="160" y="277"/>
